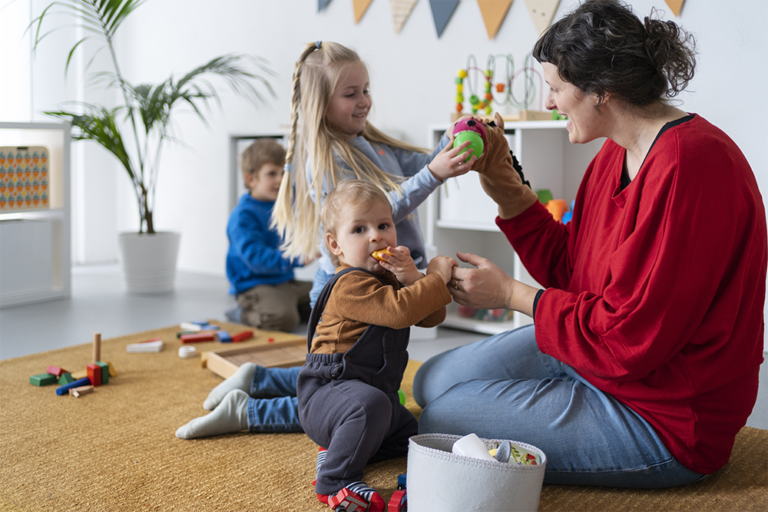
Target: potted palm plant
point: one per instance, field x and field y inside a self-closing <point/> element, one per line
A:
<point x="136" y="130"/>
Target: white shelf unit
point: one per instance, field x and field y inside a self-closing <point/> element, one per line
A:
<point x="461" y="217"/>
<point x="35" y="258"/>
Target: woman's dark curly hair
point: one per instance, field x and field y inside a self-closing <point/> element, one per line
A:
<point x="603" y="47"/>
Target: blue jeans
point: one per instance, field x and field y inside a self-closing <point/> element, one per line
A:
<point x="273" y="406"/>
<point x="504" y="387"/>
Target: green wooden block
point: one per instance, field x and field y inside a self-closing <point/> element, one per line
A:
<point x="182" y="333"/>
<point x="104" y="372"/>
<point x="66" y="378"/>
<point x="42" y="379"/>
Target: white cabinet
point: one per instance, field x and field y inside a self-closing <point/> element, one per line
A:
<point x="461" y="217"/>
<point x="35" y="241"/>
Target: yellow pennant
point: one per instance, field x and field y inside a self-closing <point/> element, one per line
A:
<point x="494" y="12"/>
<point x="401" y="9"/>
<point x="542" y="12"/>
<point x="360" y="6"/>
<point x="676" y="6"/>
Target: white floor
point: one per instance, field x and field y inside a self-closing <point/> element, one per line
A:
<point x="99" y="303"/>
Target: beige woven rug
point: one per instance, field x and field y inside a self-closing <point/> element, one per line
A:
<point x="115" y="449"/>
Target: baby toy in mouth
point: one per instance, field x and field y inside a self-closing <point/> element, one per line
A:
<point x="379" y="255"/>
<point x="472" y="131"/>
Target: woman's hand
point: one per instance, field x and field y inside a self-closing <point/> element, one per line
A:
<point x="488" y="287"/>
<point x="401" y="264"/>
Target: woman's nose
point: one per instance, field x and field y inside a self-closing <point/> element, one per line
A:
<point x="549" y="102"/>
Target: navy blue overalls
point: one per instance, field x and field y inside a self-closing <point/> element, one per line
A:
<point x="348" y="402"/>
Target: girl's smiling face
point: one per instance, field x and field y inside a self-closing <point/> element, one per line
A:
<point x="584" y="120"/>
<point x="362" y="229"/>
<point x="351" y="101"/>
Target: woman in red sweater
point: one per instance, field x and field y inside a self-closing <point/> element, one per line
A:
<point x="643" y="362"/>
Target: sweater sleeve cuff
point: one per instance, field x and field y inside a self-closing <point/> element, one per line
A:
<point x="536" y="303"/>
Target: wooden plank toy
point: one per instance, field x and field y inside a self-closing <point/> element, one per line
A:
<point x="42" y="379"/>
<point x="94" y="374"/>
<point x="242" y="336"/>
<point x="65" y="388"/>
<point x="197" y="338"/>
<point x="80" y="375"/>
<point x="82" y="390"/>
<point x="96" y="346"/>
<point x="285" y="354"/>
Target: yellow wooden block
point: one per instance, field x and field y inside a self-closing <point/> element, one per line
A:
<point x="112" y="371"/>
<point x="80" y="375"/>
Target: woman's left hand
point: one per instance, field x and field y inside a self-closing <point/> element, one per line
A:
<point x="488" y="287"/>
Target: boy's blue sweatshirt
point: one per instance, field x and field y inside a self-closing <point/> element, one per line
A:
<point x="254" y="256"/>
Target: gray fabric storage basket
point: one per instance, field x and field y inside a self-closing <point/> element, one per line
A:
<point x="441" y="481"/>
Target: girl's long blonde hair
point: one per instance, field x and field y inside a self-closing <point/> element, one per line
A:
<point x="296" y="216"/>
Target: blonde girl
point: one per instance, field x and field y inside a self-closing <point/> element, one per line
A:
<point x="331" y="141"/>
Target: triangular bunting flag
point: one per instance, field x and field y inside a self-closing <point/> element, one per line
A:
<point x="401" y="9"/>
<point x="542" y="12"/>
<point x="322" y="4"/>
<point x="442" y="10"/>
<point x="676" y="6"/>
<point x="360" y="7"/>
<point x="494" y="12"/>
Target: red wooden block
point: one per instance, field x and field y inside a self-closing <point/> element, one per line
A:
<point x="94" y="374"/>
<point x="55" y="370"/>
<point x="242" y="336"/>
<point x="197" y="338"/>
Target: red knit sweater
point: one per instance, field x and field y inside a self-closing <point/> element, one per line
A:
<point x="655" y="293"/>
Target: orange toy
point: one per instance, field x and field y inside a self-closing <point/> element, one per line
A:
<point x="557" y="207"/>
<point x="378" y="254"/>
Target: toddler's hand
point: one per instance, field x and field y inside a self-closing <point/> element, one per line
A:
<point x="442" y="265"/>
<point x="401" y="264"/>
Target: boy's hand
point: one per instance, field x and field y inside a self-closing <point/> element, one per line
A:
<point x="401" y="264"/>
<point x="442" y="265"/>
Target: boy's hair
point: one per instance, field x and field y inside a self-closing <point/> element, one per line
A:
<point x="263" y="151"/>
<point x="296" y="216"/>
<point x="354" y="192"/>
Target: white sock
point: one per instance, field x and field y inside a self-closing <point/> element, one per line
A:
<point x="241" y="380"/>
<point x="230" y="416"/>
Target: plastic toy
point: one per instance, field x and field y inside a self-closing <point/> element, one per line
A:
<point x="557" y="207"/>
<point x="42" y="379"/>
<point x="65" y="388"/>
<point x="398" y="502"/>
<point x="347" y="501"/>
<point x="379" y="254"/>
<point x="401" y="396"/>
<point x="472" y="131"/>
<point x="471" y="446"/>
<point x="402" y="480"/>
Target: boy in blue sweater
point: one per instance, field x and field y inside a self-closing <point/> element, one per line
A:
<point x="268" y="296"/>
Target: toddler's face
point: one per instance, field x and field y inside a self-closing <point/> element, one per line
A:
<point x="351" y="101"/>
<point x="361" y="230"/>
<point x="265" y="183"/>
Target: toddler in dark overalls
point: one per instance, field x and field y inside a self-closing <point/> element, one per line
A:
<point x="348" y="388"/>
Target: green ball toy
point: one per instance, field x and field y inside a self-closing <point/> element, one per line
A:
<point x="475" y="143"/>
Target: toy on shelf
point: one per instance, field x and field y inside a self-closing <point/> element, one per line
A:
<point x="24" y="177"/>
<point x="557" y="207"/>
<point x="467" y="82"/>
<point x="486" y="315"/>
<point x="472" y="131"/>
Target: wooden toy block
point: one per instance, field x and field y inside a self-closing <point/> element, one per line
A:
<point x="283" y="354"/>
<point x="224" y="337"/>
<point x="104" y="372"/>
<point x="82" y="390"/>
<point x="112" y="371"/>
<point x="66" y="378"/>
<point x="55" y="370"/>
<point x="94" y="374"/>
<point x="190" y="326"/>
<point x="242" y="336"/>
<point x="96" y="346"/>
<point x="81" y="374"/>
<point x="182" y="333"/>
<point x="62" y="390"/>
<point x="42" y="379"/>
<point x="197" y="338"/>
<point x="146" y="346"/>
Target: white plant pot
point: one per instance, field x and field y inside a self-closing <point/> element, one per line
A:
<point x="149" y="261"/>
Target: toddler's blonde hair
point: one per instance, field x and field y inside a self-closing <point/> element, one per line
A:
<point x="315" y="78"/>
<point x="348" y="192"/>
